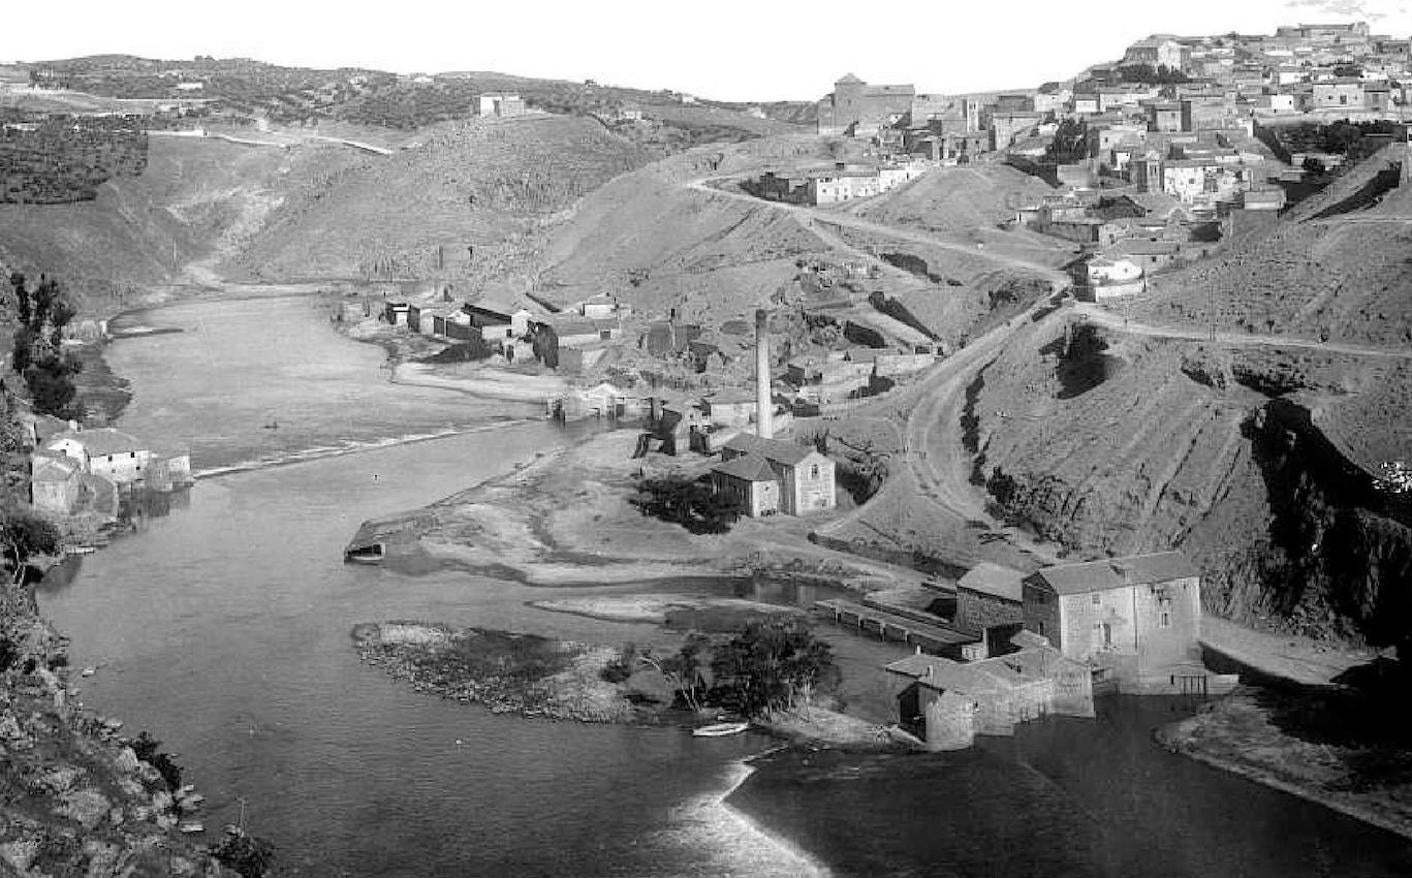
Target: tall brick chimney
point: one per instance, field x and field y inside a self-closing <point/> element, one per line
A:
<point x="764" y="407"/>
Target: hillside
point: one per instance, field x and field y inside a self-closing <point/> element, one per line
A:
<point x="959" y="199"/>
<point x="1335" y="268"/>
<point x="240" y="90"/>
<point x="316" y="209"/>
<point x="139" y="230"/>
<point x="478" y="185"/>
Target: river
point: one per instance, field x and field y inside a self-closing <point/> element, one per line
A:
<point x="224" y="628"/>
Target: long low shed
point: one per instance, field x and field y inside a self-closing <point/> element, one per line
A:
<point x="933" y="639"/>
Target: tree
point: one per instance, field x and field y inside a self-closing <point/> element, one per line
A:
<point x="1070" y="143"/>
<point x="770" y="666"/>
<point x="683" y="671"/>
<point x="546" y="345"/>
<point x="38" y="353"/>
<point x="24" y="535"/>
<point x="691" y="503"/>
<point x="1314" y="167"/>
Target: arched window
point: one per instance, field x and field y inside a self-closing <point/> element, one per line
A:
<point x="814" y="471"/>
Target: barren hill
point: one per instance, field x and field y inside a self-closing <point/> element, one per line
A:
<point x="316" y="209"/>
<point x="417" y="213"/>
<point x="139" y="230"/>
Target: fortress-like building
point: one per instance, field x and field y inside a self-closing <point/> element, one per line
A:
<point x="858" y="109"/>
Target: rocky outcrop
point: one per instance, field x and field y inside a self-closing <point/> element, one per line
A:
<point x="77" y="800"/>
<point x="1339" y="550"/>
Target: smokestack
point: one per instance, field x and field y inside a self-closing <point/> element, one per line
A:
<point x="764" y="407"/>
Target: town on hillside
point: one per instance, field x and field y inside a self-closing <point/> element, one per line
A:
<point x="1065" y="424"/>
<point x="1155" y="158"/>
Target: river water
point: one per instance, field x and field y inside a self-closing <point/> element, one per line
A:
<point x="224" y="628"/>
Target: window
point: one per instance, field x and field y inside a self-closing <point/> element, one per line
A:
<point x="1165" y="621"/>
<point x="814" y="471"/>
<point x="1096" y="598"/>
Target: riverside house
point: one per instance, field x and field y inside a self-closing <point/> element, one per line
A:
<point x="1136" y="621"/>
<point x="121" y="459"/>
<point x="54" y="482"/>
<point x="106" y="452"/>
<point x="947" y="703"/>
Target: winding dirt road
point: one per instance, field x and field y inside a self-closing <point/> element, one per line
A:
<point x="1103" y="317"/>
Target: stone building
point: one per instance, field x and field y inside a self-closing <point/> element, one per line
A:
<point x="989" y="604"/>
<point x="857" y="109"/>
<point x="105" y="452"/>
<point x="805" y="477"/>
<point x="948" y="703"/>
<point x="1136" y="620"/>
<point x="747" y="483"/>
<point x="54" y="482"/>
<point x="500" y="104"/>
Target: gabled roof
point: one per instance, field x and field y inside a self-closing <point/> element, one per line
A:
<point x="1110" y="573"/>
<point x="774" y="450"/>
<point x="751" y="467"/>
<point x="99" y="441"/>
<point x="994" y="580"/>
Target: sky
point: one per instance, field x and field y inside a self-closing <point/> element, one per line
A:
<point x="741" y="50"/>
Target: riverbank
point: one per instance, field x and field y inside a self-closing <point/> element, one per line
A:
<point x="567" y="519"/>
<point x="1335" y="748"/>
<point x="78" y="799"/>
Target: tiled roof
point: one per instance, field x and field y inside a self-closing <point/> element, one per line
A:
<point x="771" y="449"/>
<point x="1111" y="573"/>
<point x="993" y="579"/>
<point x="751" y="467"/>
<point x="101" y="441"/>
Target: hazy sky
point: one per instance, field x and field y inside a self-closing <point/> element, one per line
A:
<point x="725" y="49"/>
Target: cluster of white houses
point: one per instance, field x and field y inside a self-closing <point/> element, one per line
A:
<point x="844" y="181"/>
<point x="74" y="469"/>
<point x="1048" y="641"/>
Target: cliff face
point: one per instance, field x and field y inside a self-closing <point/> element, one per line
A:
<point x="76" y="800"/>
<point x="1339" y="550"/>
<point x="1111" y="445"/>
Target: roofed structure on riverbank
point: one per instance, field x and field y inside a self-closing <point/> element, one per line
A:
<point x="1135" y="620"/>
<point x="947" y="703"/>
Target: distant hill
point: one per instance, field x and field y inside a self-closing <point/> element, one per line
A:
<point x="242" y="89"/>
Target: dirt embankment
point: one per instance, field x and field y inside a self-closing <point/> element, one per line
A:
<point x="78" y="800"/>
<point x="1333" y="746"/>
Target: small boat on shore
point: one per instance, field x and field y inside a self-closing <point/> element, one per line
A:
<point x="190" y="827"/>
<point x="720" y="730"/>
